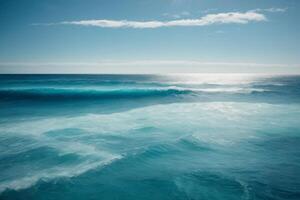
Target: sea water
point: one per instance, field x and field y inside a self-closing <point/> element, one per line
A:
<point x="209" y="136"/>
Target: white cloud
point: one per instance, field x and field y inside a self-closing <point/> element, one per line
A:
<point x="210" y="19"/>
<point x="270" y="10"/>
<point x="276" y="9"/>
<point x="178" y="15"/>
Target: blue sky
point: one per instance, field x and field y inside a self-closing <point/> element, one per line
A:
<point x="149" y="36"/>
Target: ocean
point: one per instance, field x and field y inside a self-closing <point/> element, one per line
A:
<point x="158" y="137"/>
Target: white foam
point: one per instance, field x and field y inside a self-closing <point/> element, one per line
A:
<point x="218" y="123"/>
<point x="54" y="173"/>
<point x="241" y="90"/>
<point x="158" y="115"/>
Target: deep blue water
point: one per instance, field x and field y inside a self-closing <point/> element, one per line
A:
<point x="149" y="137"/>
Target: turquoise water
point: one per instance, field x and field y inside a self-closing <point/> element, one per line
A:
<point x="149" y="137"/>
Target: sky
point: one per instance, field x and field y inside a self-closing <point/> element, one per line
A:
<point x="149" y="36"/>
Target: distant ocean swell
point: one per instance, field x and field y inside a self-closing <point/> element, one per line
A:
<point x="58" y="93"/>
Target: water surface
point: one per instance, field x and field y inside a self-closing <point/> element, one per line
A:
<point x="234" y="136"/>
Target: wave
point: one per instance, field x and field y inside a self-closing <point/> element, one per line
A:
<point x="86" y="93"/>
<point x="89" y="93"/>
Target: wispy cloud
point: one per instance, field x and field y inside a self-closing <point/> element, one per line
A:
<point x="209" y="19"/>
<point x="178" y="15"/>
<point x="270" y="10"/>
